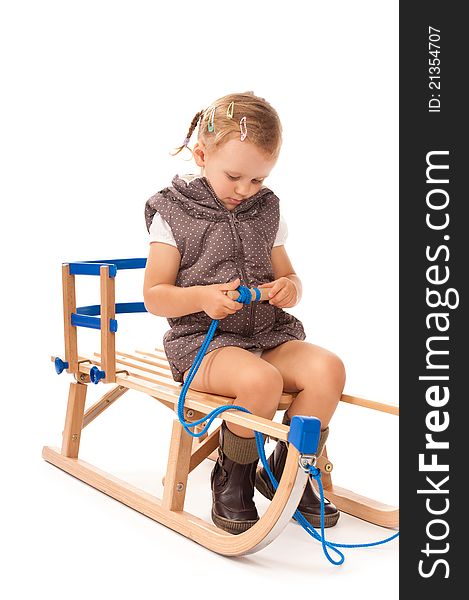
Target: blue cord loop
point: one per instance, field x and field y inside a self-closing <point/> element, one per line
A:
<point x="314" y="472"/>
<point x="245" y="294"/>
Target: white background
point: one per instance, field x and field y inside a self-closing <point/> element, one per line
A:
<point x="95" y="95"/>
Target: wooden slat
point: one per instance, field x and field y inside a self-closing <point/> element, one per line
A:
<point x="198" y="401"/>
<point x="392" y="409"/>
<point x="145" y="373"/>
<point x="160" y="357"/>
<point x="160" y="353"/>
<point x="163" y="379"/>
<point x="158" y="385"/>
<point x="380" y="406"/>
<point x="162" y="364"/>
<point x="133" y="361"/>
<point x="287" y="398"/>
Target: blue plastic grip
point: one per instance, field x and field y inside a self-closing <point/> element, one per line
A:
<point x="60" y="365"/>
<point x="96" y="375"/>
<point x="120" y="307"/>
<point x="91" y="322"/>
<point x="92" y="267"/>
<point x="304" y="434"/>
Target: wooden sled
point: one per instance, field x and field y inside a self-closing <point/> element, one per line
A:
<point x="149" y="372"/>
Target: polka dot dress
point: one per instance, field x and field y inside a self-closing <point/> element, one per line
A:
<point x="217" y="246"/>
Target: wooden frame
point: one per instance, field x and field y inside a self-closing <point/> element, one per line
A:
<point x="149" y="373"/>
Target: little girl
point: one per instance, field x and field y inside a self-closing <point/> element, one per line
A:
<point x="210" y="233"/>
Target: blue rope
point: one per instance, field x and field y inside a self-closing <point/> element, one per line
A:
<point x="245" y="298"/>
<point x="315" y="473"/>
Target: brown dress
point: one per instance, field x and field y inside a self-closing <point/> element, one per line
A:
<point x="217" y="246"/>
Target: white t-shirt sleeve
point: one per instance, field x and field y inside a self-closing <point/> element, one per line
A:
<point x="160" y="231"/>
<point x="282" y="232"/>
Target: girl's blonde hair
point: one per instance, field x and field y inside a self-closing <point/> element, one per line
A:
<point x="220" y="122"/>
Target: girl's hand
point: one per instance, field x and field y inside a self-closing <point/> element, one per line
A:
<point x="283" y="293"/>
<point x="216" y="303"/>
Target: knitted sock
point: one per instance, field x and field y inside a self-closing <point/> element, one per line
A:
<point x="238" y="449"/>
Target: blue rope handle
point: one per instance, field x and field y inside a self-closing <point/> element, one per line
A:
<point x="315" y="473"/>
<point x="245" y="298"/>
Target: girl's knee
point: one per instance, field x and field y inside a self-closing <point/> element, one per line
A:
<point x="261" y="385"/>
<point x="333" y="370"/>
<point x="325" y="369"/>
<point x="259" y="379"/>
<point x="336" y="369"/>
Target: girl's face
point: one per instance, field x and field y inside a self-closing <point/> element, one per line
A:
<point x="236" y="170"/>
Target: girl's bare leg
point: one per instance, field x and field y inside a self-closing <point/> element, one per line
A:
<point x="237" y="373"/>
<point x="317" y="374"/>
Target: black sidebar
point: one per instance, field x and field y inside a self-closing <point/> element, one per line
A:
<point x="434" y="267"/>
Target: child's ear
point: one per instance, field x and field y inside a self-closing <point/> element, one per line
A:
<point x="199" y="154"/>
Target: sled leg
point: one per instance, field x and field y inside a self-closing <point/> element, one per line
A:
<point x="74" y="420"/>
<point x="175" y="481"/>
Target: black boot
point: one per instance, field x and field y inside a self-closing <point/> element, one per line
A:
<point x="232" y="480"/>
<point x="310" y="503"/>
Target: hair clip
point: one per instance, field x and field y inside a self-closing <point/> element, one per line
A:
<point x="211" y="125"/>
<point x="230" y="110"/>
<point x="243" y="128"/>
